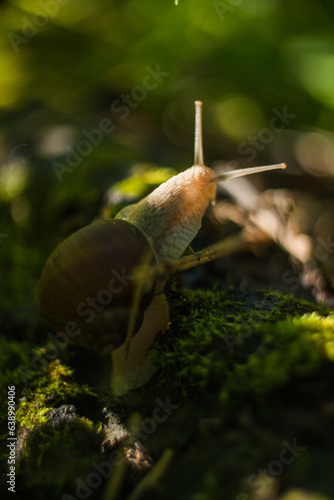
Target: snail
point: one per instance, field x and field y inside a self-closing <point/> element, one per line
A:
<point x="91" y="287"/>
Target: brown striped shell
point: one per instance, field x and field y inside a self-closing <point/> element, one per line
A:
<point x="87" y="287"/>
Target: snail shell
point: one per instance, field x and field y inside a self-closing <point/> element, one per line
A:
<point x="88" y="283"/>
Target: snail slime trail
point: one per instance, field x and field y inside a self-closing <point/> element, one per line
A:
<point x="124" y="316"/>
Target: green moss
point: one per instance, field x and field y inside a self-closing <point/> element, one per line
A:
<point x="233" y="342"/>
<point x="52" y="387"/>
<point x="49" y="444"/>
<point x="13" y="356"/>
<point x="43" y="445"/>
<point x="288" y="305"/>
<point x="76" y="444"/>
<point x="289" y="349"/>
<point x="143" y="179"/>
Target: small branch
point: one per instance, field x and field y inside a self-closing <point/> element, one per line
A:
<point x="227" y="246"/>
<point x="152" y="478"/>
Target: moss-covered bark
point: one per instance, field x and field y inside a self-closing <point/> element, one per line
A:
<point x="243" y="376"/>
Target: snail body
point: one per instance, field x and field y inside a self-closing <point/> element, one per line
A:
<point x="90" y="283"/>
<point x="182" y="200"/>
<point x="171" y="216"/>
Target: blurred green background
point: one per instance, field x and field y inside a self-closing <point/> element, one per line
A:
<point x="130" y="70"/>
